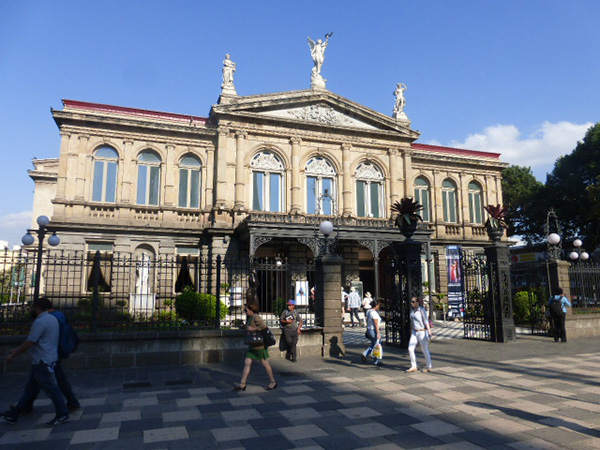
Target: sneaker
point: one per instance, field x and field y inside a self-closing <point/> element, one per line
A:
<point x="74" y="407"/>
<point x="378" y="363"/>
<point x="11" y="416"/>
<point x="363" y="358"/>
<point x="58" y="420"/>
<point x="412" y="369"/>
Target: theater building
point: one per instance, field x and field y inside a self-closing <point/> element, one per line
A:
<point x="255" y="177"/>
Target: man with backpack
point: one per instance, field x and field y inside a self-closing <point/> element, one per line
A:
<point x="43" y="342"/>
<point x="558" y="309"/>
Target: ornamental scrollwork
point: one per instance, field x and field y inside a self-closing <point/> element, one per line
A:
<point x="320" y="113"/>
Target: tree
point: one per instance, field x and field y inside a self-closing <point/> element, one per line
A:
<point x="573" y="188"/>
<point x="523" y="200"/>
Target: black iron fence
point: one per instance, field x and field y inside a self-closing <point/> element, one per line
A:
<point x="584" y="279"/>
<point x="129" y="292"/>
<point x="478" y="308"/>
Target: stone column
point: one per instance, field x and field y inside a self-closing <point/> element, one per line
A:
<point x="394" y="193"/>
<point x="169" y="176"/>
<point x="221" y="166"/>
<point x="77" y="183"/>
<point x="347" y="189"/>
<point x="408" y="171"/>
<point x="63" y="166"/>
<point x="329" y="314"/>
<point x="296" y="206"/>
<point x="210" y="171"/>
<point x="127" y="173"/>
<point x="558" y="272"/>
<point x="499" y="293"/>
<point x="240" y="154"/>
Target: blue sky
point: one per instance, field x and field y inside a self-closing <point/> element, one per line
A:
<point x="509" y="76"/>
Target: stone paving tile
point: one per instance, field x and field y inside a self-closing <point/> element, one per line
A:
<point x="120" y="416"/>
<point x="300" y="432"/>
<point x="437" y="428"/>
<point x="181" y="416"/>
<point x="100" y="434"/>
<point x="165" y="434"/>
<point x="301" y="413"/>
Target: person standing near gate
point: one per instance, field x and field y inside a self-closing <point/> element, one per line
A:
<point x="558" y="308"/>
<point x="354" y="303"/>
<point x="291" y="324"/>
<point x="420" y="333"/>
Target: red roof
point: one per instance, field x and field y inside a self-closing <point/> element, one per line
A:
<point x="76" y="104"/>
<point x="456" y="151"/>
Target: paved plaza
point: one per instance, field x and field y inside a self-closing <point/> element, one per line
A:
<point x="531" y="394"/>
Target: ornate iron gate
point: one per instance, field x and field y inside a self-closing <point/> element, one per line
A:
<point x="530" y="294"/>
<point x="478" y="311"/>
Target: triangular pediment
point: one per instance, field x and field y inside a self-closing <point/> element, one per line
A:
<point x="318" y="108"/>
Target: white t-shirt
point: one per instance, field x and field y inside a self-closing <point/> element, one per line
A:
<point x="372" y="316"/>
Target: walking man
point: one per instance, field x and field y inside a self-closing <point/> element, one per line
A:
<point x="354" y="302"/>
<point x="43" y="342"/>
<point x="291" y="324"/>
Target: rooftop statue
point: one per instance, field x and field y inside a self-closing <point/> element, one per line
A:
<point x="228" y="71"/>
<point x="400" y="103"/>
<point x="317" y="52"/>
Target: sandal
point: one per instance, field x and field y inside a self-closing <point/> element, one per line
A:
<point x="240" y="387"/>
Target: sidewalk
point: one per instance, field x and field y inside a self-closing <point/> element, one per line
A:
<point x="533" y="393"/>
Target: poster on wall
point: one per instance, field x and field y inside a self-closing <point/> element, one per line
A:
<point x="455" y="282"/>
<point x="301" y="295"/>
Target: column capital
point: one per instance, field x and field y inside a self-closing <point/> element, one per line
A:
<point x="392" y="151"/>
<point x="295" y="140"/>
<point x="346" y="146"/>
<point x="241" y="134"/>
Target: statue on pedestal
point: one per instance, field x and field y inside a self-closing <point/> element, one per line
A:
<point x="400" y="101"/>
<point x="317" y="52"/>
<point x="228" y="70"/>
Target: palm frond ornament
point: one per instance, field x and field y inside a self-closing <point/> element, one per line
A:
<point x="407" y="215"/>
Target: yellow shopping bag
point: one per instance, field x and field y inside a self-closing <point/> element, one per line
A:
<point x="378" y="351"/>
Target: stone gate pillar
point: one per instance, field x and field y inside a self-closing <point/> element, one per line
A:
<point x="328" y="275"/>
<point x="503" y="327"/>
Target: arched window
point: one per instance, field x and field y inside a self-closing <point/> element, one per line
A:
<point x="422" y="196"/>
<point x="104" y="187"/>
<point x="449" y="201"/>
<point x="475" y="203"/>
<point x="320" y="179"/>
<point x="267" y="182"/>
<point x="369" y="190"/>
<point x="148" y="186"/>
<point x="189" y="182"/>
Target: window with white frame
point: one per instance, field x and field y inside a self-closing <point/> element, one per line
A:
<point x="422" y="196"/>
<point x="104" y="186"/>
<point x="320" y="180"/>
<point x="267" y="182"/>
<point x="369" y="190"/>
<point x="148" y="182"/>
<point x="475" y="203"/>
<point x="189" y="182"/>
<point x="449" y="201"/>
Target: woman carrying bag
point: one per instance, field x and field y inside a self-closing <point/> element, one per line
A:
<point x="373" y="333"/>
<point x="420" y="333"/>
<point x="256" y="352"/>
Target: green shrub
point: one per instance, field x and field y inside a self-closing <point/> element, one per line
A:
<point x="279" y="306"/>
<point x="524" y="303"/>
<point x="193" y="306"/>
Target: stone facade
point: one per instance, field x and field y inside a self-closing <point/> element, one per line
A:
<point x="250" y="180"/>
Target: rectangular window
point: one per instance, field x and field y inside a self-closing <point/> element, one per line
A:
<point x="449" y="206"/>
<point x="422" y="196"/>
<point x="311" y="195"/>
<point x="111" y="182"/>
<point x="183" y="188"/>
<point x="141" y="187"/>
<point x="257" y="193"/>
<point x="195" y="189"/>
<point x="327" y="187"/>
<point x="475" y="203"/>
<point x="154" y="185"/>
<point x="274" y="195"/>
<point x="375" y="199"/>
<point x="98" y="181"/>
<point x="361" y="210"/>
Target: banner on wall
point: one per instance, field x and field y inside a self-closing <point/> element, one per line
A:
<point x="455" y="281"/>
<point x="302" y="293"/>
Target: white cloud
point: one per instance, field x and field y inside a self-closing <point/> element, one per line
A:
<point x="13" y="226"/>
<point x="541" y="148"/>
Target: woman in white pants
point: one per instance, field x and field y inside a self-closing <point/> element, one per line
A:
<point x="420" y="333"/>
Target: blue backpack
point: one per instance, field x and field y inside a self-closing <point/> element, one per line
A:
<point x="68" y="341"/>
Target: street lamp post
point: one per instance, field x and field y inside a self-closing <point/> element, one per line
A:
<point x="28" y="239"/>
<point x="578" y="253"/>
